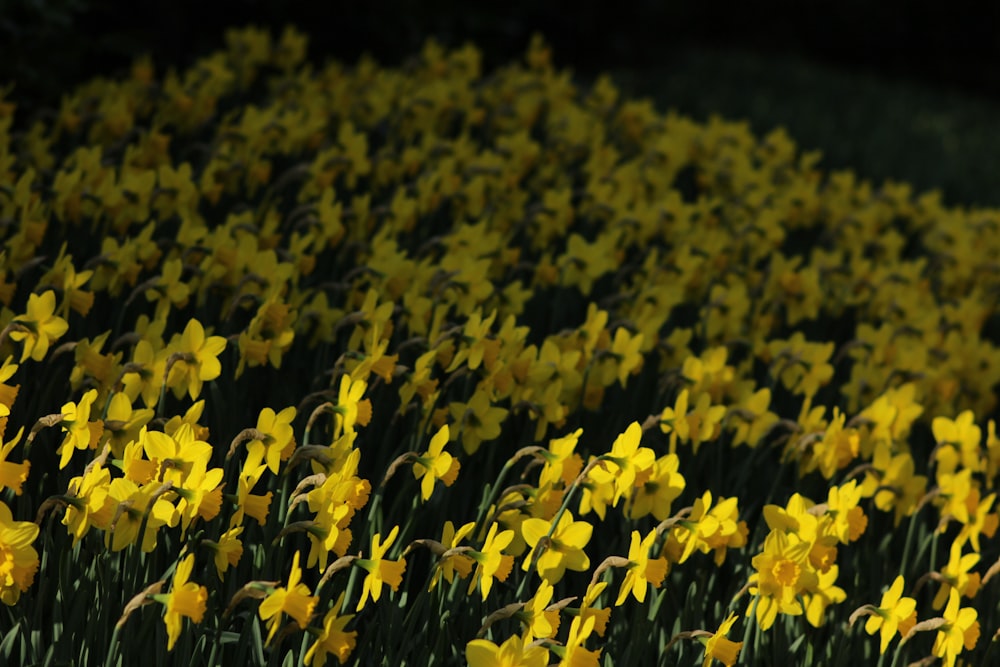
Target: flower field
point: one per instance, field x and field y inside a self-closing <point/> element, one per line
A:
<point x="432" y="365"/>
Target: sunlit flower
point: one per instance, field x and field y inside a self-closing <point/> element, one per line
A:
<point x="293" y="599"/>
<point x="39" y="326"/>
<point x="185" y="599"/>
<point x="278" y="439"/>
<point x="961" y="630"/>
<point x="892" y="612"/>
<point x="200" y="361"/>
<point x="513" y="652"/>
<point x="333" y="639"/>
<point x="12" y="475"/>
<point x="642" y="569"/>
<point x="18" y="559"/>
<point x="721" y="648"/>
<point x="380" y="569"/>
<point x="491" y="562"/>
<point x="81" y="432"/>
<point x="561" y="551"/>
<point x="435" y="464"/>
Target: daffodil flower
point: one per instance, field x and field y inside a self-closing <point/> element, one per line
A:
<point x="39" y="326"/>
<point x="294" y="600"/>
<point x="185" y="599"/>
<point x="435" y="464"/>
<point x="380" y="569"/>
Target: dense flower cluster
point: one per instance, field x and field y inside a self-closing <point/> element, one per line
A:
<point x="306" y="323"/>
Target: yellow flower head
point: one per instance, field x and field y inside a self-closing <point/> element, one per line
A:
<point x="380" y="570"/>
<point x="891" y="614"/>
<point x="961" y="630"/>
<point x="199" y="361"/>
<point x="721" y="648"/>
<point x="39" y="326"/>
<point x="293" y="600"/>
<point x="185" y="599"/>
<point x="12" y="475"/>
<point x="561" y="551"/>
<point x="333" y="639"/>
<point x="435" y="464"/>
<point x="642" y="569"/>
<point x="18" y="559"/>
<point x="491" y="562"/>
<point x="514" y="652"/>
<point x="278" y="442"/>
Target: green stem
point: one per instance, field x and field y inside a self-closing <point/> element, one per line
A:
<point x="908" y="545"/>
<point x="108" y="662"/>
<point x="934" y="549"/>
<point x="406" y="636"/>
<point x="283" y="500"/>
<point x="491" y="494"/>
<point x="897" y="654"/>
<point x="751" y="627"/>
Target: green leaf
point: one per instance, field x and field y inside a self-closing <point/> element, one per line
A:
<point x="228" y="637"/>
<point x="7" y="645"/>
<point x="257" y="642"/>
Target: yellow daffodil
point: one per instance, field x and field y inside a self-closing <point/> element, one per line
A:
<point x="491" y="562"/>
<point x="254" y="505"/>
<point x="177" y="455"/>
<point x="957" y="575"/>
<point x="782" y="573"/>
<point x="380" y="569"/>
<point x="574" y="653"/>
<point x="721" y="648"/>
<point x="134" y="507"/>
<point x="435" y="464"/>
<point x="657" y="493"/>
<point x="20" y="562"/>
<point x="39" y="326"/>
<point x="535" y="615"/>
<point x="12" y="475"/>
<point x="458" y="563"/>
<point x="478" y="421"/>
<point x="333" y="639"/>
<point x="351" y="409"/>
<point x="228" y="550"/>
<point x="185" y="599"/>
<point x="961" y="630"/>
<point x="561" y="551"/>
<point x="957" y="442"/>
<point x="513" y="652"/>
<point x="561" y="462"/>
<point x="81" y="433"/>
<point x="200" y="495"/>
<point x="893" y="613"/>
<point x="278" y="442"/>
<point x="87" y="502"/>
<point x="294" y="600"/>
<point x="642" y="569"/>
<point x="124" y="423"/>
<point x="198" y="359"/>
<point x="634" y="463"/>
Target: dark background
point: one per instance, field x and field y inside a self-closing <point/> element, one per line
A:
<point x="47" y="43"/>
<point x="890" y="89"/>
